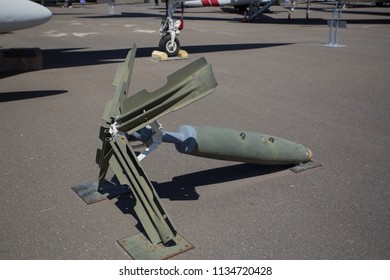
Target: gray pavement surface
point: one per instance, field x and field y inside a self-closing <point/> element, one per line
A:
<point x="275" y="77"/>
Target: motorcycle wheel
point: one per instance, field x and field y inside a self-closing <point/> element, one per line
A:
<point x="166" y="46"/>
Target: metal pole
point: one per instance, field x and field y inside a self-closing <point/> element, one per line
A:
<point x="307" y="9"/>
<point x="336" y="35"/>
<point x="111" y="5"/>
<point x="330" y="42"/>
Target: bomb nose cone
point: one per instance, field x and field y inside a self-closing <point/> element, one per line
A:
<point x="38" y="15"/>
<point x="310" y="154"/>
<point x="21" y="14"/>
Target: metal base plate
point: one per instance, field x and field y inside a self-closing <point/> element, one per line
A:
<point x="90" y="194"/>
<point x="305" y="166"/>
<point x="140" y="248"/>
<point x="334" y="46"/>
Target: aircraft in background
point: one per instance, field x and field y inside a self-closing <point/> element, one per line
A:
<point x="170" y="29"/>
<point x="218" y="3"/>
<point x="238" y="4"/>
<point x="21" y="14"/>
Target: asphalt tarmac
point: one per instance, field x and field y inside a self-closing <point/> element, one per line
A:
<point x="275" y="76"/>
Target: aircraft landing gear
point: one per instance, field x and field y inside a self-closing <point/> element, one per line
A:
<point x="170" y="30"/>
<point x="170" y="48"/>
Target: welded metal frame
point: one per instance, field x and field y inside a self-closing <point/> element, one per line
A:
<point x="124" y="115"/>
